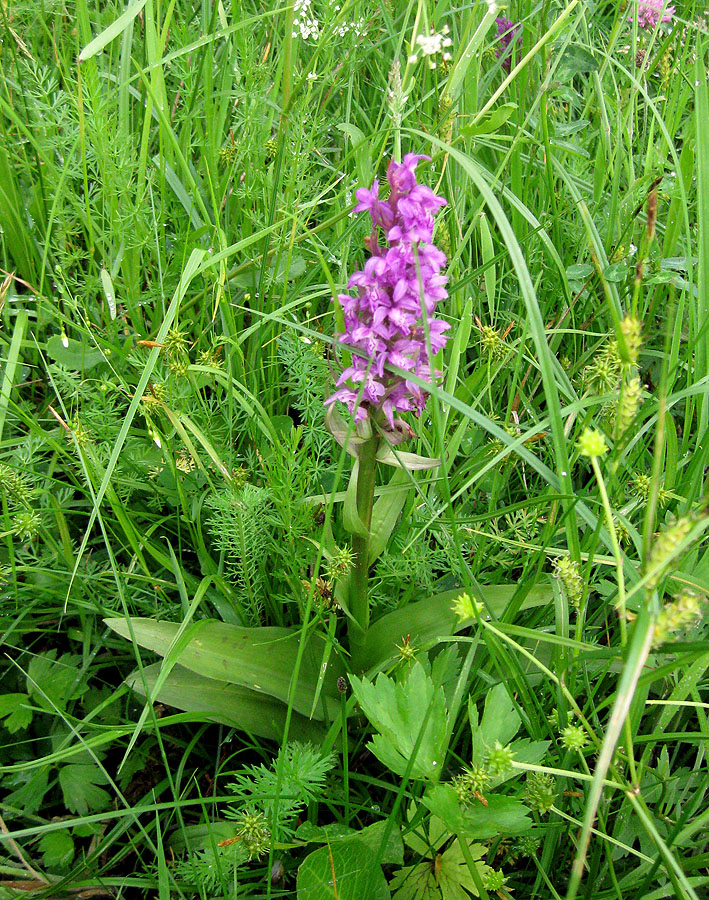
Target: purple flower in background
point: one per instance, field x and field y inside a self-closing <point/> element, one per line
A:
<point x="401" y="283"/>
<point x="507" y="32"/>
<point x="650" y="12"/>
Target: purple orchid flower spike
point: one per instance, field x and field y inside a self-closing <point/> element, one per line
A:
<point x="508" y="35"/>
<point x="650" y="12"/>
<point x="401" y="283"/>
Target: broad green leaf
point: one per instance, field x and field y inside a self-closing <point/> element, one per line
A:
<point x="323" y="834"/>
<point x="76" y="355"/>
<point x="189" y="204"/>
<point x="54" y="682"/>
<point x="416" y="882"/>
<point x="80" y="788"/>
<point x="393" y="851"/>
<point x="109" y="291"/>
<point x="17" y="237"/>
<point x="500" y="721"/>
<point x="342" y="432"/>
<point x="30" y="788"/>
<point x="230" y="704"/>
<point x="200" y="837"/>
<point x="371" y="836"/>
<point x="616" y="272"/>
<point x="57" y="849"/>
<point x="345" y="870"/>
<point x="580" y="271"/>
<point x="430" y="620"/>
<point x="491" y="121"/>
<point x="386" y="513"/>
<point x="398" y="710"/>
<point x="446" y="878"/>
<point x="15" y="711"/>
<point x="400" y="459"/>
<point x="363" y="156"/>
<point x="454" y="876"/>
<point x="261" y="659"/>
<point x="350" y="514"/>
<point x="111" y="33"/>
<point x="575" y="60"/>
<point x="502" y="815"/>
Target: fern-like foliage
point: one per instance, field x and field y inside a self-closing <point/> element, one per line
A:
<point x="296" y="778"/>
<point x="239" y="529"/>
<point x="308" y="380"/>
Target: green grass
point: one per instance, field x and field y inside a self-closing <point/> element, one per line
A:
<point x="176" y="183"/>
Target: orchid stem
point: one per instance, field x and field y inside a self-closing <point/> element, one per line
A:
<point x="359" y="596"/>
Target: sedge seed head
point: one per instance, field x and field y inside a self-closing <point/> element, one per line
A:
<point x="499" y="760"/>
<point x="540" y="791"/>
<point x="568" y="572"/>
<point x="631" y="328"/>
<point x="574" y="737"/>
<point x="592" y="443"/>
<point x="665" y="547"/>
<point x="466" y="608"/>
<point x="629" y="404"/>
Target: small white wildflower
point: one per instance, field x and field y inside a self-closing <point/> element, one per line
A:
<point x="430" y="44"/>
<point x="413" y="59"/>
<point x="632" y="250"/>
<point x="312" y="76"/>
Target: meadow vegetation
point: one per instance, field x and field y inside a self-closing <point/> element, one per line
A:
<point x="255" y="648"/>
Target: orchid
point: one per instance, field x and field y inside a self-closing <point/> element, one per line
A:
<point x="507" y="33"/>
<point x="390" y="320"/>
<point x="650" y="12"/>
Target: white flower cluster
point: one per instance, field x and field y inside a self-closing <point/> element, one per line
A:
<point x="355" y="27"/>
<point x="304" y="24"/>
<point x="431" y="45"/>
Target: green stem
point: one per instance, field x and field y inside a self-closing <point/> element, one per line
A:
<point x="359" y="595"/>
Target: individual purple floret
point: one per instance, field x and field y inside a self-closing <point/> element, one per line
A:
<point x="507" y="31"/>
<point x="650" y="12"/>
<point x="400" y="283"/>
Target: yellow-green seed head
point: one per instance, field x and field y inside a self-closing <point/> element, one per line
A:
<point x="679" y="615"/>
<point x="632" y="332"/>
<point x="574" y="737"/>
<point x="340" y="564"/>
<point x="175" y="341"/>
<point x="591" y="443"/>
<point x="603" y="373"/>
<point x="465" y="608"/>
<point x="14" y="485"/>
<point x="26" y="524"/>
<point x="178" y="364"/>
<point x="630" y="400"/>
<point x="540" y="791"/>
<point x="227" y="154"/>
<point x="473" y="779"/>
<point x="491" y="343"/>
<point x="443" y="238"/>
<point x="499" y="760"/>
<point x="640" y="485"/>
<point x="271" y="148"/>
<point x="254" y="832"/>
<point x="494" y="879"/>
<point x="568" y="572"/>
<point x="665" y="547"/>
